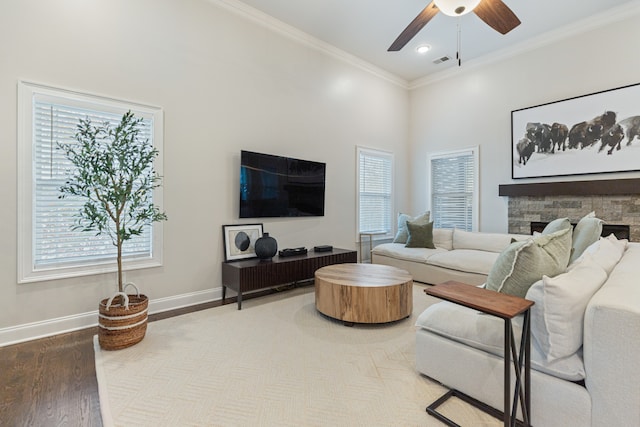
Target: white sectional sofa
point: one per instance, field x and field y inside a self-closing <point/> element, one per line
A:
<point x="585" y="321"/>
<point x="585" y="348"/>
<point x="458" y="255"/>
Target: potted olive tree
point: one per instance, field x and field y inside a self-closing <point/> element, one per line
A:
<point x="113" y="173"/>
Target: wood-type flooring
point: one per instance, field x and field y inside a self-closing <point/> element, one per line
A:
<point x="52" y="381"/>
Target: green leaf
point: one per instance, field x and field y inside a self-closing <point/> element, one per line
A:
<point x="113" y="172"/>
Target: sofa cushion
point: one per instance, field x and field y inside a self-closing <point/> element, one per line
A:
<point x="557" y="225"/>
<point x="560" y="303"/>
<point x="606" y="252"/>
<point x="586" y="232"/>
<point x="486" y="333"/>
<point x="525" y="262"/>
<point x="420" y="235"/>
<point x="468" y="260"/>
<point x="466" y="326"/>
<point x="443" y="238"/>
<point x="399" y="251"/>
<point x="492" y="242"/>
<point x="402" y="234"/>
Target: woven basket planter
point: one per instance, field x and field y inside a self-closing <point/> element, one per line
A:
<point x="122" y="325"/>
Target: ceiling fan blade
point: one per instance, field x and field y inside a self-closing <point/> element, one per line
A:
<point x="497" y="15"/>
<point x="414" y="27"/>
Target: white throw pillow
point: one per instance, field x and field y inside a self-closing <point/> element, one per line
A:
<point x="538" y="329"/>
<point x="606" y="252"/>
<point x="620" y="244"/>
<point x="562" y="307"/>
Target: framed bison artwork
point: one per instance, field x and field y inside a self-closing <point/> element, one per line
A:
<point x="588" y="134"/>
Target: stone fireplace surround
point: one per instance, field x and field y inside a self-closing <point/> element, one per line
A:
<point x="614" y="201"/>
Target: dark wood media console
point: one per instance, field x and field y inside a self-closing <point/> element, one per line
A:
<point x="254" y="274"/>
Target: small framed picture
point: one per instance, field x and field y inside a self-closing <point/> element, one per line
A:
<point x="240" y="240"/>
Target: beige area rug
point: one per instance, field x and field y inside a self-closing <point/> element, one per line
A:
<point x="276" y="362"/>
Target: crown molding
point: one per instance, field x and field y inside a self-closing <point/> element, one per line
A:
<point x="295" y="34"/>
<point x="611" y="16"/>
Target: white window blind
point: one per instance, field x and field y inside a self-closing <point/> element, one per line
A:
<point x="55" y="242"/>
<point x="375" y="190"/>
<point x="48" y="248"/>
<point x="454" y="189"/>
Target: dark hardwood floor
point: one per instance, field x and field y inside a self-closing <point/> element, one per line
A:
<point x="52" y="381"/>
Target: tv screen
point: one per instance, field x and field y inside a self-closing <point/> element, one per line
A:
<point x="277" y="186"/>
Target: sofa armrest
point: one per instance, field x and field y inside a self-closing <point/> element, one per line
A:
<point x="612" y="345"/>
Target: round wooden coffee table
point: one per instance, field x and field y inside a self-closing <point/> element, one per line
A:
<point x="364" y="293"/>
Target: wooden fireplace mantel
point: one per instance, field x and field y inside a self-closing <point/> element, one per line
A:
<point x="572" y="188"/>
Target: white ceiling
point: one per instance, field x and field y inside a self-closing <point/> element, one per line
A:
<point x="366" y="28"/>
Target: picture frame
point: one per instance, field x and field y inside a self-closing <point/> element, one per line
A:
<point x="239" y="241"/>
<point x="588" y="134"/>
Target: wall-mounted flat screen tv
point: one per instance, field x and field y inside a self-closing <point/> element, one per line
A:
<point x="277" y="186"/>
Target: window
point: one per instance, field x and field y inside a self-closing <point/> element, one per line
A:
<point x="48" y="248"/>
<point x="454" y="189"/>
<point x="375" y="191"/>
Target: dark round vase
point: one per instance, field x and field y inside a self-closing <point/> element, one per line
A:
<point x="266" y="247"/>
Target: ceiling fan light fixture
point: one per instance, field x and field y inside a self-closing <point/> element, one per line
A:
<point x="456" y="7"/>
<point x="423" y="48"/>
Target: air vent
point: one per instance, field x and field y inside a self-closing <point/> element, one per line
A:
<point x="441" y="60"/>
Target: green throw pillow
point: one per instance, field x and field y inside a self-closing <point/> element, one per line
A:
<point x="587" y="232"/>
<point x="420" y="235"/>
<point x="523" y="263"/>
<point x="402" y="235"/>
<point x="557" y="225"/>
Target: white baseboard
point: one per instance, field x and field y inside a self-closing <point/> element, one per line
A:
<point x="185" y="300"/>
<point x="44" y="328"/>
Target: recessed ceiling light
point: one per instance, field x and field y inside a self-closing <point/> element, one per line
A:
<point x="423" y="48"/>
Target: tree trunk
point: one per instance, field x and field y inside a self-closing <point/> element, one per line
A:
<point x="119" y="264"/>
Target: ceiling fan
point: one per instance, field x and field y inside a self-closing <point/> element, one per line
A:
<point x="494" y="13"/>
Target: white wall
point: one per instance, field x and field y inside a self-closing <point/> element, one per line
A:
<point x="474" y="106"/>
<point x="225" y="84"/>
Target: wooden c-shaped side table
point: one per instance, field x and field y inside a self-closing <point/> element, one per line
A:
<point x="506" y="307"/>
